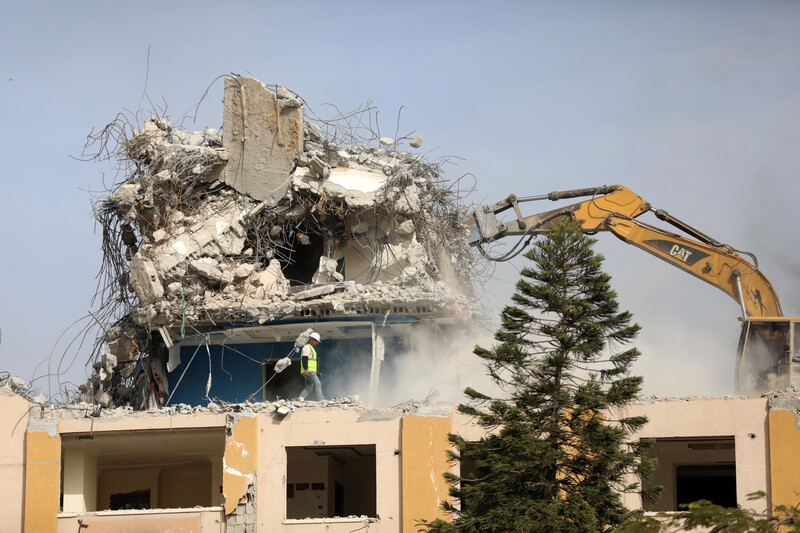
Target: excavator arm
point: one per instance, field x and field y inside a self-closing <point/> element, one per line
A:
<point x="615" y="209"/>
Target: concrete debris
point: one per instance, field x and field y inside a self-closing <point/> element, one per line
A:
<point x="221" y="229"/>
<point x="327" y="271"/>
<point x="39" y="399"/>
<point x="282" y="364"/>
<point x="416" y="142"/>
<point x="17" y="384"/>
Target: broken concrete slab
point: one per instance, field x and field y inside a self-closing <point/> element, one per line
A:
<point x="263" y="135"/>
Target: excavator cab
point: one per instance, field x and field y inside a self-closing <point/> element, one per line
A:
<point x="768" y="358"/>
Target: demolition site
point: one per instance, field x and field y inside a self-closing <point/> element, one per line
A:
<point x="225" y="256"/>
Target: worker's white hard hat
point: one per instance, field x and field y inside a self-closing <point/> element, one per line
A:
<point x="316" y="336"/>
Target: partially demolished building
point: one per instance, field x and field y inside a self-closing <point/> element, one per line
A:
<point x="238" y="242"/>
<point x="221" y="252"/>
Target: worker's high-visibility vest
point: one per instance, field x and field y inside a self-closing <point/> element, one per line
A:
<point x="312" y="360"/>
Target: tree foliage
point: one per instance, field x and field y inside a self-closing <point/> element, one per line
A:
<point x="552" y="461"/>
<point x="708" y="517"/>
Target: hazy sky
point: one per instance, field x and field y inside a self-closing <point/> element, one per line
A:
<point x="694" y="105"/>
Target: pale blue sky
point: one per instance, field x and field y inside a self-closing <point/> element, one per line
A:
<point x="693" y="105"/>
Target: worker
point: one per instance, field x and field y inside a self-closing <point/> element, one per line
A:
<point x="308" y="367"/>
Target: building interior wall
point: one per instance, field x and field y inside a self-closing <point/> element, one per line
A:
<point x="182" y="488"/>
<point x="111" y="470"/>
<point x="366" y="260"/>
<point x="235" y="371"/>
<point x="126" y="481"/>
<point x="303" y="469"/>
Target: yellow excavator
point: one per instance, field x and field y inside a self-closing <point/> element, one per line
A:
<point x="768" y="356"/>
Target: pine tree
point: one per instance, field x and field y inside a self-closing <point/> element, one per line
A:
<point x="553" y="461"/>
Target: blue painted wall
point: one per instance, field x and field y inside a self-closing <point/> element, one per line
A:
<point x="236" y="370"/>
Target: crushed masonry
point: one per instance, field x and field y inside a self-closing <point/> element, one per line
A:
<point x="273" y="219"/>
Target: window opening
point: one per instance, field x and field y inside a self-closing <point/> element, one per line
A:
<point x="694" y="469"/>
<point x="142" y="470"/>
<point x="330" y="481"/>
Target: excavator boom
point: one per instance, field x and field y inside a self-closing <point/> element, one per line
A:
<point x="614" y="209"/>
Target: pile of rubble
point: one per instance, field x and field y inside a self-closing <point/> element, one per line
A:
<point x="269" y="220"/>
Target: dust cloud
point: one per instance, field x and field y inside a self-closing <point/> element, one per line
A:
<point x="426" y="367"/>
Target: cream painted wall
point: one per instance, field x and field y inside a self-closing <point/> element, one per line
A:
<point x="13" y="425"/>
<point x="745" y="419"/>
<point x="175" y="521"/>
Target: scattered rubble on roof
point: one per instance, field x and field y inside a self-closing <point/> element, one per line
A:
<point x="277" y="409"/>
<point x="274" y="218"/>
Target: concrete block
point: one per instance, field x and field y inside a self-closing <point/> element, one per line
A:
<point x="144" y="279"/>
<point x="17" y="383"/>
<point x="263" y="135"/>
<point x="243" y="270"/>
<point x="272" y="279"/>
<point x="123" y="348"/>
<point x="406" y="228"/>
<point x="322" y="169"/>
<point x="326" y="271"/>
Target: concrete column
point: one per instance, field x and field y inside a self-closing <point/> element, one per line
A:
<point x="80" y="481"/>
<point x="423" y="464"/>
<point x="42" y="473"/>
<point x="378" y="349"/>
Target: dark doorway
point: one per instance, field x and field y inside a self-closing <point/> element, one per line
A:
<point x="285" y="385"/>
<point x="338" y="497"/>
